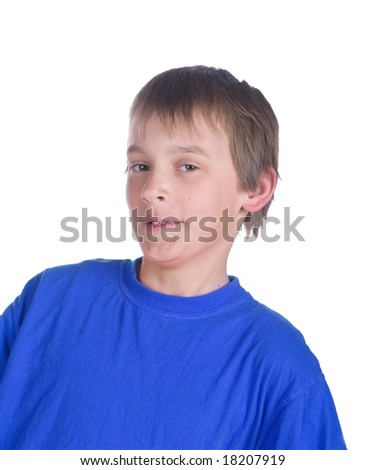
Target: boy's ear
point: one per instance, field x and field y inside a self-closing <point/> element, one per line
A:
<point x="257" y="199"/>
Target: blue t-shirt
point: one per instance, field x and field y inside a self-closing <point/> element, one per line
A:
<point x="90" y="358"/>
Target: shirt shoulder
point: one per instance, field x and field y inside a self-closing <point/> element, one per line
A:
<point x="93" y="272"/>
<point x="88" y="268"/>
<point x="58" y="284"/>
<point x="281" y="349"/>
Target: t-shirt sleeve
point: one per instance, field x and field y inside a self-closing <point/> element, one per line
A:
<point x="12" y="318"/>
<point x="308" y="421"/>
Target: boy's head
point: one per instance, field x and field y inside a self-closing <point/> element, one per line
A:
<point x="239" y="109"/>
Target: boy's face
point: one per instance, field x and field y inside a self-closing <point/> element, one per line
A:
<point x="182" y="191"/>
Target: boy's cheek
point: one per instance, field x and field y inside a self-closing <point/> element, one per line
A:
<point x="131" y="196"/>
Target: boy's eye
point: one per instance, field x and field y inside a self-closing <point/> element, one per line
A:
<point x="139" y="167"/>
<point x="188" y="167"/>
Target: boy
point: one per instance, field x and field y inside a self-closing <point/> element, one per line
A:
<point x="168" y="351"/>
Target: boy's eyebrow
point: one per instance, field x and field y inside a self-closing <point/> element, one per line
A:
<point x="175" y="149"/>
<point x="134" y="149"/>
<point x="191" y="149"/>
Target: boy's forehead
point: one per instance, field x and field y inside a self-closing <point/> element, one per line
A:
<point x="182" y="136"/>
<point x="192" y="126"/>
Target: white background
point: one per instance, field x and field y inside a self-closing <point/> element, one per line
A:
<point x="69" y="71"/>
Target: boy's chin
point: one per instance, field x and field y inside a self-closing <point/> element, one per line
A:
<point x="162" y="256"/>
<point x="183" y="255"/>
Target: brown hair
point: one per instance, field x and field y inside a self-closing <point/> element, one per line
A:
<point x="241" y="110"/>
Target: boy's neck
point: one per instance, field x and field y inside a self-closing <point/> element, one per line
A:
<point x="187" y="281"/>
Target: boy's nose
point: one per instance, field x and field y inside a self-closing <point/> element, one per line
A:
<point x="155" y="188"/>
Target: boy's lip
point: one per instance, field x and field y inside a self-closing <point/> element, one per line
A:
<point x="159" y="220"/>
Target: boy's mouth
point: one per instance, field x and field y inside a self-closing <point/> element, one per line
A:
<point x="168" y="222"/>
<point x="160" y="225"/>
